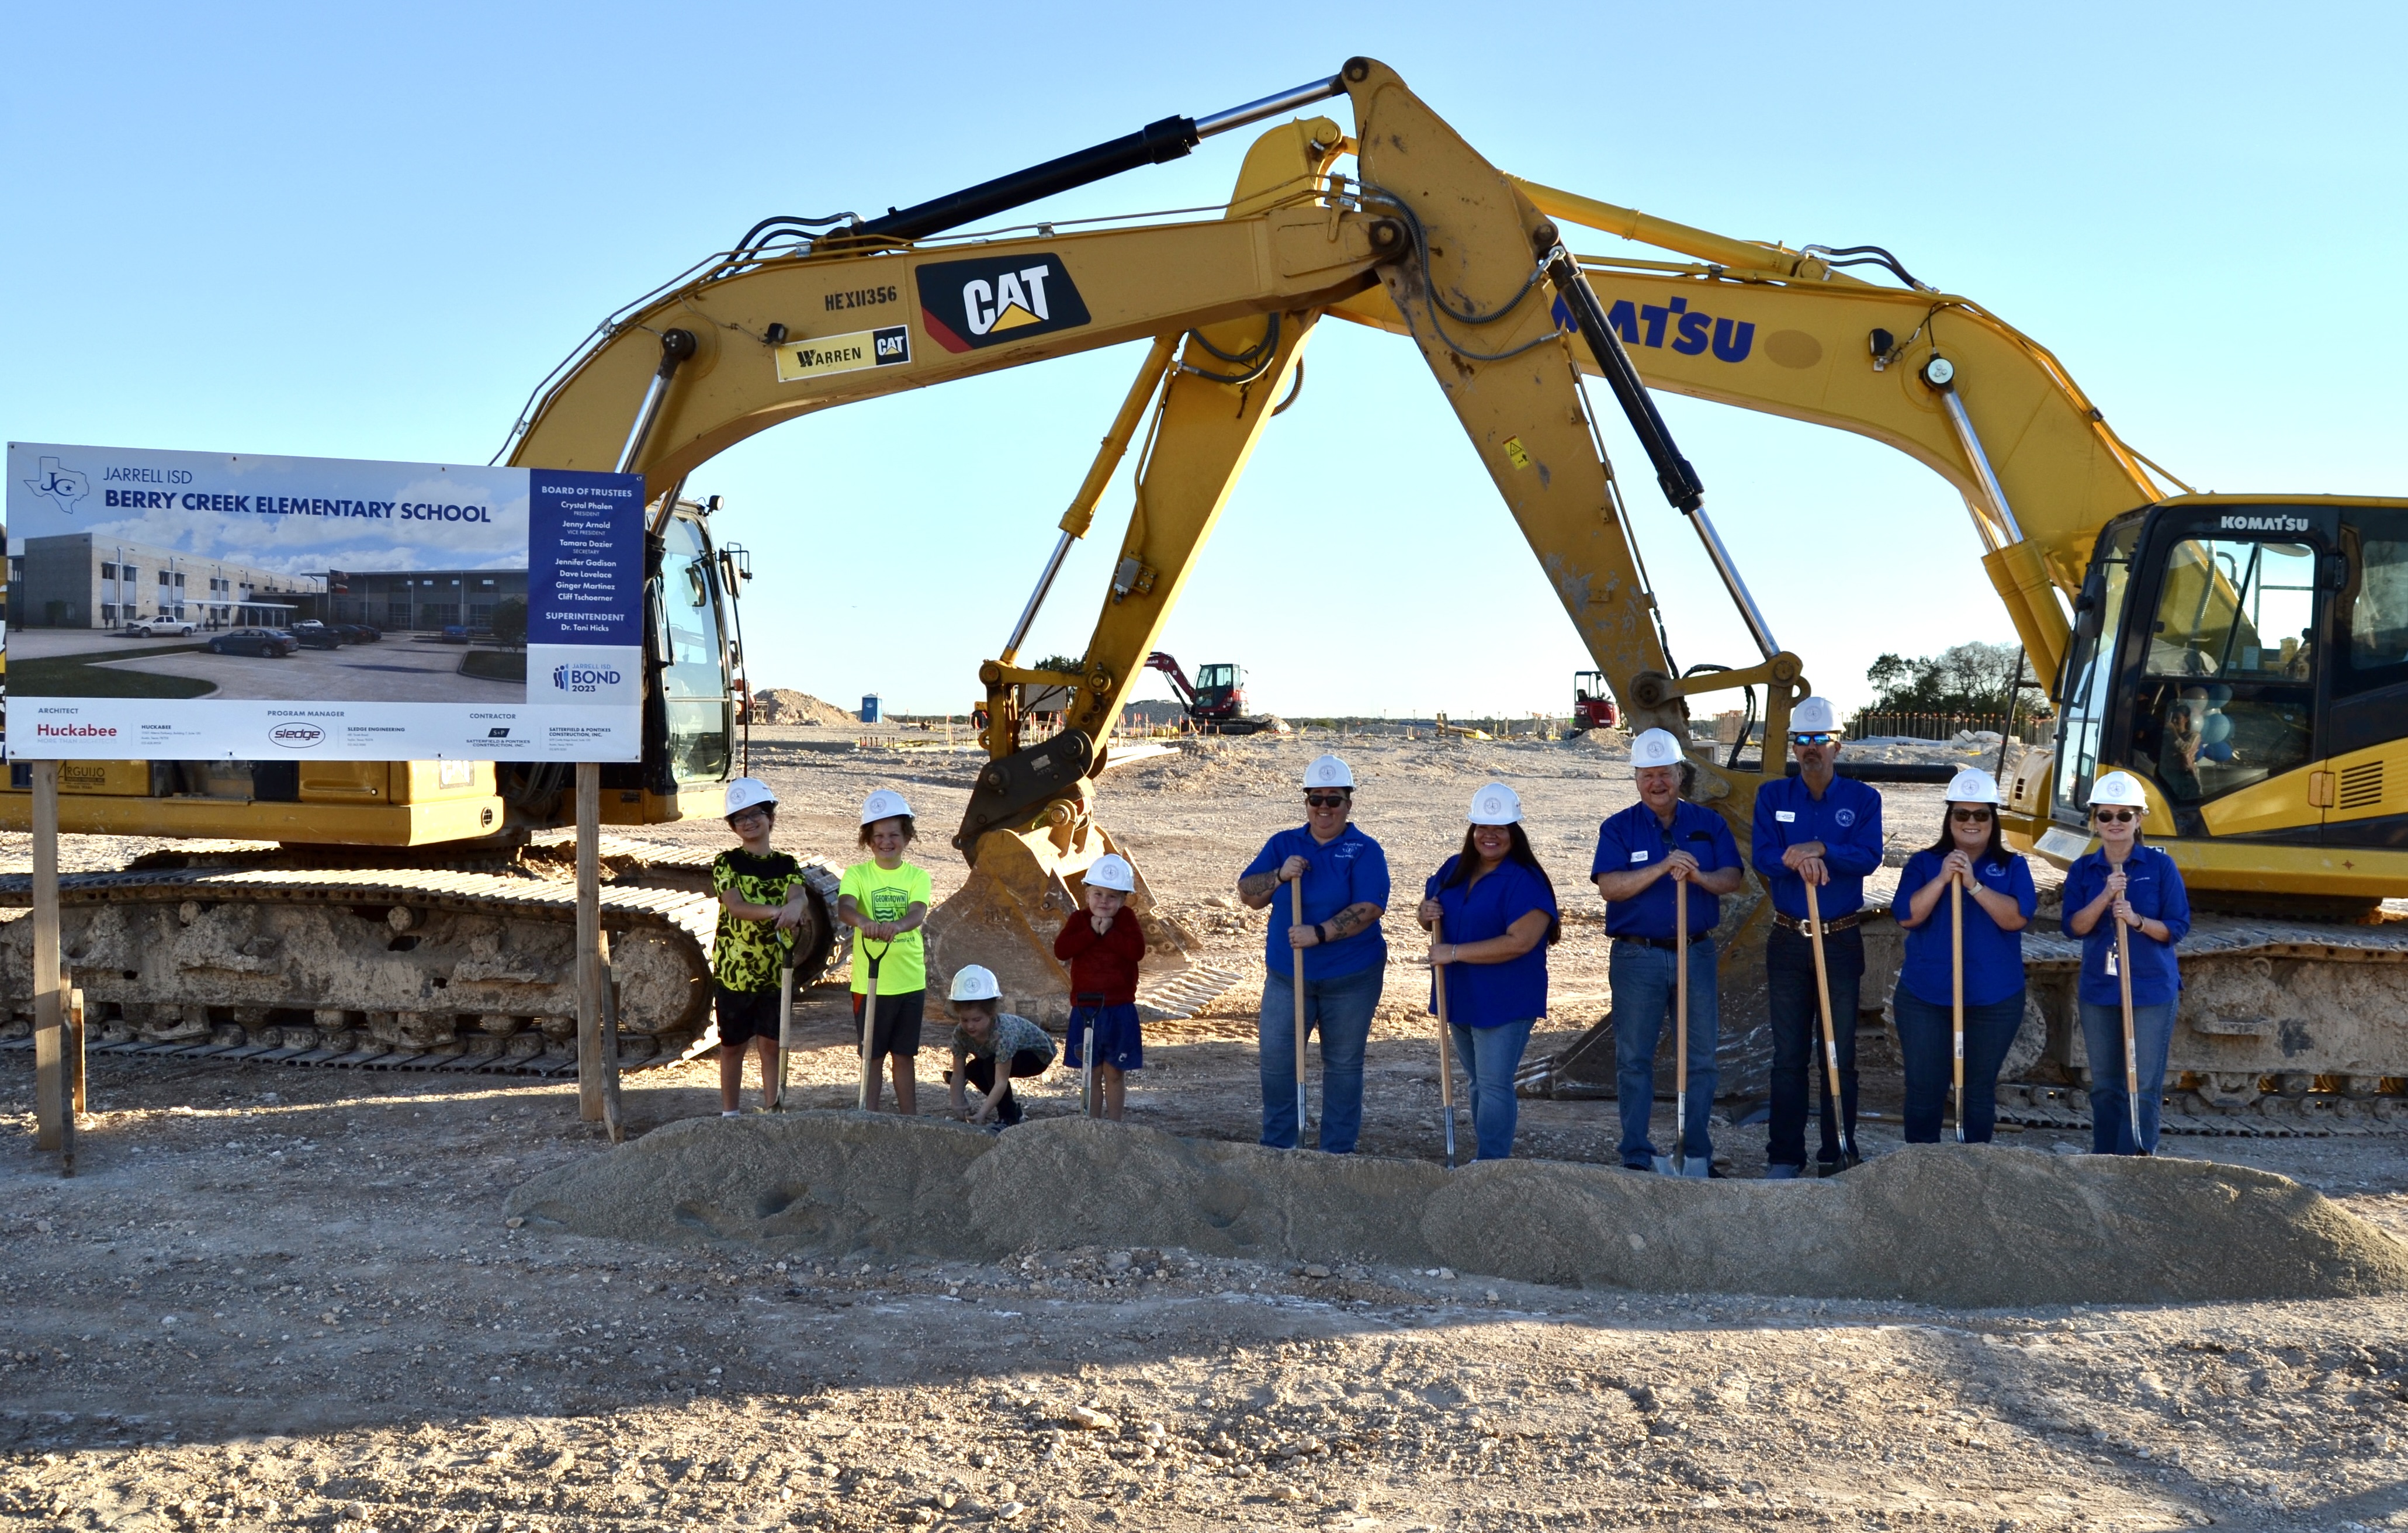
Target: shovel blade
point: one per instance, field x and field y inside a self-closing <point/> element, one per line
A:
<point x="1695" y="1170"/>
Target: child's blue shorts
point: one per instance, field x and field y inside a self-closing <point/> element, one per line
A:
<point x="1117" y="1041"/>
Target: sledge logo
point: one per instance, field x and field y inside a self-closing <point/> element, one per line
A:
<point x="582" y="678"/>
<point x="968" y="305"/>
<point x="296" y="737"/>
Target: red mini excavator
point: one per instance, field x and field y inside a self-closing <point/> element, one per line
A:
<point x="1215" y="701"/>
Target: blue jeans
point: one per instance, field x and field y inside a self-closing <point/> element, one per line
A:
<point x="1341" y="1010"/>
<point x="1796" y="1016"/>
<point x="2111" y="1113"/>
<point x="1926" y="1039"/>
<point x="1644" y="985"/>
<point x="1490" y="1058"/>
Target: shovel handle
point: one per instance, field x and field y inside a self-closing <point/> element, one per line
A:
<point x="869" y="1030"/>
<point x="2131" y="1049"/>
<point x="1445" y="1042"/>
<point x="1680" y="1026"/>
<point x="1295" y="906"/>
<point x="1956" y="994"/>
<point x="1830" y="1032"/>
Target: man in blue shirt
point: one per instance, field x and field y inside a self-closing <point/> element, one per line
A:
<point x="1655" y="851"/>
<point x="1344" y="878"/>
<point x="1822" y="828"/>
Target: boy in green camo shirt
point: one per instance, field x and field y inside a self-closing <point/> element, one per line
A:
<point x="762" y="901"/>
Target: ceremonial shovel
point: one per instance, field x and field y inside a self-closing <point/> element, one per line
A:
<point x="1956" y="995"/>
<point x="1830" y="1035"/>
<point x="1445" y="1044"/>
<point x="1297" y="889"/>
<point x="1677" y="1164"/>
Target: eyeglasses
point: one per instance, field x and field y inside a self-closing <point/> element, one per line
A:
<point x="1814" y="740"/>
<point x="2115" y="817"/>
<point x="1969" y="817"/>
<point x="1325" y="800"/>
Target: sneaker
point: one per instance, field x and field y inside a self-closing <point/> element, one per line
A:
<point x="1647" y="1166"/>
<point x="1778" y="1172"/>
<point x="732" y="1112"/>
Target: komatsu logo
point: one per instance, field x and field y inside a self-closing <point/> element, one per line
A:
<point x="2263" y="523"/>
<point x="967" y="304"/>
<point x="1672" y="323"/>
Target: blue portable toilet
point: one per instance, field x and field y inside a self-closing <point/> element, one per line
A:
<point x="869" y="708"/>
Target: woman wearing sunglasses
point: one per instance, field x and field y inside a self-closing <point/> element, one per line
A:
<point x="1999" y="899"/>
<point x="2139" y="886"/>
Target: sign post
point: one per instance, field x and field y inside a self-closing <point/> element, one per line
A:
<point x="54" y="1094"/>
<point x="593" y="961"/>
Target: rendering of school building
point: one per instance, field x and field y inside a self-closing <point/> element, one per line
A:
<point x="82" y="580"/>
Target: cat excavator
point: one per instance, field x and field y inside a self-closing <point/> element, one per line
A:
<point x="451" y="949"/>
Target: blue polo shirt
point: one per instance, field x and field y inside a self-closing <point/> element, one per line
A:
<point x="2155" y="886"/>
<point x="1636" y="840"/>
<point x="1846" y="820"/>
<point x="1492" y="995"/>
<point x="1994" y="959"/>
<point x="1349" y="869"/>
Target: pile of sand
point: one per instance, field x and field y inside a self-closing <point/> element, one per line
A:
<point x="1939" y="1223"/>
<point x="785" y="705"/>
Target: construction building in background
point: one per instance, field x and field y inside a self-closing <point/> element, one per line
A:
<point x="83" y="581"/>
<point x="413" y="600"/>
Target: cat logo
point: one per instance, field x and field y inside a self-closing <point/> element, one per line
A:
<point x="966" y="305"/>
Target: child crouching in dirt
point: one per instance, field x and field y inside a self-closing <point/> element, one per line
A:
<point x="761" y="901"/>
<point x="1103" y="947"/>
<point x="991" y="1047"/>
<point x="885" y="901"/>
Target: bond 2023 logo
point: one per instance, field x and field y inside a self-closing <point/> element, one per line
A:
<point x="583" y="678"/>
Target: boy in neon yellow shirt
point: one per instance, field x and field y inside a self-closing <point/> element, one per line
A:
<point x="885" y="901"/>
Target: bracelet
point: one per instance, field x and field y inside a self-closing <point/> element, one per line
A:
<point x="1321" y="931"/>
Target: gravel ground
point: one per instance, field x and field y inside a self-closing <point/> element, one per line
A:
<point x="277" y="1299"/>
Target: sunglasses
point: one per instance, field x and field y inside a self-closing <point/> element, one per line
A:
<point x="1325" y="800"/>
<point x="1813" y="740"/>
<point x="2114" y="817"/>
<point x="1969" y="817"/>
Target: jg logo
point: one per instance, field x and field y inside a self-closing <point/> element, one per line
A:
<point x="63" y="486"/>
<point x="582" y="678"/>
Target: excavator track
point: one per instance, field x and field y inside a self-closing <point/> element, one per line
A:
<point x="459" y="967"/>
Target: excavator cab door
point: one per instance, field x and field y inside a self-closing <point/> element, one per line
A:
<point x="2366" y="710"/>
<point x="692" y="657"/>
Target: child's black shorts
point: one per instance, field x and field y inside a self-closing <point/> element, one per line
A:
<point x="744" y="1015"/>
<point x="898" y="1023"/>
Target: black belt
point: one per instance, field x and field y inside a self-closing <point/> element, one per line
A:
<point x="1665" y="943"/>
<point x="1806" y="928"/>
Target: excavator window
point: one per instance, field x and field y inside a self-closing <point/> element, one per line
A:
<point x="2090" y="667"/>
<point x="2228" y="693"/>
<point x="694" y="680"/>
<point x="2376" y="605"/>
<point x="1215" y="677"/>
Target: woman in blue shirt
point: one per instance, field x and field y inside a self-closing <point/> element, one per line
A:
<point x="1999" y="903"/>
<point x="2139" y="886"/>
<point x="1499" y="910"/>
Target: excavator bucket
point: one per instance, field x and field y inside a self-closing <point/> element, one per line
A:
<point x="1023" y="886"/>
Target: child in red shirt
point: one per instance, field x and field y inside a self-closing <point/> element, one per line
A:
<point x="1102" y="947"/>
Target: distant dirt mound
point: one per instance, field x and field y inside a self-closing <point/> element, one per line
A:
<point x="785" y="705"/>
<point x="1937" y="1223"/>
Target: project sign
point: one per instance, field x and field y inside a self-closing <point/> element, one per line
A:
<point x="206" y="606"/>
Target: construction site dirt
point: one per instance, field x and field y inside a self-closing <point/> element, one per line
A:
<point x="284" y="1299"/>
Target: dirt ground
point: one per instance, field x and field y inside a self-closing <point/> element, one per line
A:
<point x="286" y="1299"/>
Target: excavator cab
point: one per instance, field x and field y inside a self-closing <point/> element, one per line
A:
<point x="2249" y="659"/>
<point x="1220" y="692"/>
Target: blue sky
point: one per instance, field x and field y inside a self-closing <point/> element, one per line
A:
<point x="344" y="233"/>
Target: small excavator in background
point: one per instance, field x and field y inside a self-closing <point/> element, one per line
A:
<point x="1592" y="702"/>
<point x="1215" y="701"/>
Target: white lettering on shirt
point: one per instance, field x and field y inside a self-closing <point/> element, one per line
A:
<point x="1785" y="816"/>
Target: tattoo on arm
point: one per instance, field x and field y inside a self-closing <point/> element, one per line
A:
<point x="1353" y="919"/>
<point x="1257" y="885"/>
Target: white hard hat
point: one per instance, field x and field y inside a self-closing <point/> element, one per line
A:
<point x="746" y="792"/>
<point x="1112" y="871"/>
<point x="2119" y="788"/>
<point x="1973" y="786"/>
<point x="973" y="982"/>
<point x="1813" y="716"/>
<point x="1496" y="804"/>
<point x="1328" y="772"/>
<point x="885" y="804"/>
<point x="1655" y="748"/>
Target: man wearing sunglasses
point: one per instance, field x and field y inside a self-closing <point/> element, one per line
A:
<point x="1821" y="828"/>
<point x="1338" y="945"/>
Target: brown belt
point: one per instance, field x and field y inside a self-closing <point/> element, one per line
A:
<point x="1806" y="928"/>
